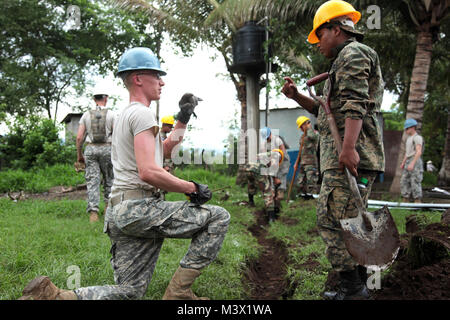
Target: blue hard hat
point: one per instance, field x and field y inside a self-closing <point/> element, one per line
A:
<point x="410" y="123"/>
<point x="265" y="132"/>
<point x="139" y="58"/>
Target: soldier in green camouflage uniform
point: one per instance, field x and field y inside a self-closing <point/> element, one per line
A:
<point x="166" y="128"/>
<point x="96" y="128"/>
<point x="356" y="88"/>
<point x="138" y="220"/>
<point x="255" y="182"/>
<point x="308" y="175"/>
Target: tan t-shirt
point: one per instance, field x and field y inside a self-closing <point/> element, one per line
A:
<point x="134" y="119"/>
<point x="410" y="148"/>
<point x="86" y="121"/>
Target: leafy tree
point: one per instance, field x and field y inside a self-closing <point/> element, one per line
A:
<point x="33" y="141"/>
<point x="41" y="59"/>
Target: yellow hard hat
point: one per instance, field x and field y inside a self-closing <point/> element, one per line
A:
<point x="281" y="153"/>
<point x="330" y="10"/>
<point x="168" y="120"/>
<point x="301" y="120"/>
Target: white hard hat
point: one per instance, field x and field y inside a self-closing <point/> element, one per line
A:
<point x="100" y="90"/>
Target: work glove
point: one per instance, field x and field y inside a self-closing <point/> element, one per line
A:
<point x="201" y="196"/>
<point x="187" y="104"/>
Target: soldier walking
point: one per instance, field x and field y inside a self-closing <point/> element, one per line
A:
<point x="95" y="128"/>
<point x="356" y="89"/>
<point x="412" y="165"/>
<point x="138" y="220"/>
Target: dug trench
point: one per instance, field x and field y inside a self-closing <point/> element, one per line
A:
<point x="265" y="277"/>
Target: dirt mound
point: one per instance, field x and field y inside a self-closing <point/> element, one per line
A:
<point x="422" y="268"/>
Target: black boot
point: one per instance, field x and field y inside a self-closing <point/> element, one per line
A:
<point x="350" y="288"/>
<point x="251" y="202"/>
<point x="271" y="215"/>
<point x="276" y="213"/>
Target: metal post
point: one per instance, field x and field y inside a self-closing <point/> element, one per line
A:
<point x="252" y="88"/>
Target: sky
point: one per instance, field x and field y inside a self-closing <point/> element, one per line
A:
<point x="200" y="75"/>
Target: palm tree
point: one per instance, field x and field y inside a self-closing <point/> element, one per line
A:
<point x="215" y="22"/>
<point x="426" y="17"/>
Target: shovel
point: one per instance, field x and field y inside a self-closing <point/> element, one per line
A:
<point x="371" y="238"/>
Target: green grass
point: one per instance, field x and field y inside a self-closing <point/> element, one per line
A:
<point x="46" y="237"/>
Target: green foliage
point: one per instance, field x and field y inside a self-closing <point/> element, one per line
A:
<point x="394" y="119"/>
<point x="39" y="179"/>
<point x="34" y="141"/>
<point x="429" y="179"/>
<point x="41" y="58"/>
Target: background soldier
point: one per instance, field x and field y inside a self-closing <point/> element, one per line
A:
<point x="278" y="163"/>
<point x="166" y="128"/>
<point x="308" y="175"/>
<point x="412" y="165"/>
<point x="356" y="91"/>
<point x="137" y="219"/>
<point x="96" y="127"/>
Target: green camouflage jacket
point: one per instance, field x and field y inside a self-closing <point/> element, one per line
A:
<point x="356" y="93"/>
<point x="309" y="151"/>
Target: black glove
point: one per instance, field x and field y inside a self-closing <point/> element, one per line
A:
<point x="202" y="195"/>
<point x="187" y="104"/>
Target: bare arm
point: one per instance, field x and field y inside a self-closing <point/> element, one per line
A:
<point x="79" y="141"/>
<point x="175" y="137"/>
<point x="290" y="90"/>
<point x="150" y="172"/>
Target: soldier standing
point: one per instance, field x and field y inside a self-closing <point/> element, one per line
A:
<point x="277" y="168"/>
<point x="96" y="127"/>
<point x="167" y="123"/>
<point x="308" y="175"/>
<point x="137" y="219"/>
<point x="412" y="165"/>
<point x="356" y="89"/>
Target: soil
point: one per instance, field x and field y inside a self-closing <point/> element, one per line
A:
<point x="265" y="277"/>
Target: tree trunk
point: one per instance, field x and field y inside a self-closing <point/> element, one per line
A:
<point x="444" y="173"/>
<point x="416" y="98"/>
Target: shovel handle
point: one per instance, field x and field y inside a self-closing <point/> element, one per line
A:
<point x="317" y="79"/>
<point x="337" y="138"/>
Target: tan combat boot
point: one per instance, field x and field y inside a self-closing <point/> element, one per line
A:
<point x="93" y="217"/>
<point x="179" y="287"/>
<point x="418" y="200"/>
<point x="405" y="199"/>
<point x="41" y="288"/>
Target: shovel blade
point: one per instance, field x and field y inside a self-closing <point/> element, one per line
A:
<point x="373" y="240"/>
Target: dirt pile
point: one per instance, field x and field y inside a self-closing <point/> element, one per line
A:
<point x="422" y="268"/>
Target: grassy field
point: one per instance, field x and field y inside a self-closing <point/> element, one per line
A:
<point x="46" y="237"/>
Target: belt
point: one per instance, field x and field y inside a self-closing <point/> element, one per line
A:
<point x="98" y="144"/>
<point x="133" y="195"/>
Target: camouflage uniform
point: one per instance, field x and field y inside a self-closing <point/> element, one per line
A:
<point x="356" y="93"/>
<point x="167" y="163"/>
<point x="97" y="155"/>
<point x="98" y="163"/>
<point x="255" y="180"/>
<point x="411" y="181"/>
<point x="308" y="175"/>
<point x="137" y="229"/>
